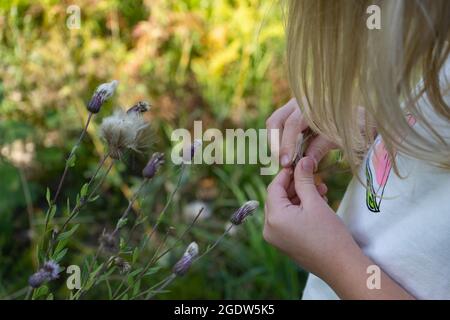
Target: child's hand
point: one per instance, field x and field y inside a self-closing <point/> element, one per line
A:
<point x="290" y="121"/>
<point x="305" y="228"/>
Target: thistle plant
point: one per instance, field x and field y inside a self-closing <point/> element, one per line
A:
<point x="117" y="261"/>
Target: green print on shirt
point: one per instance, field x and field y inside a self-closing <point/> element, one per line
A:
<point x="370" y="192"/>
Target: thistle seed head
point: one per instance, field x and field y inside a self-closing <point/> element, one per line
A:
<point x="123" y="131"/>
<point x="123" y="265"/>
<point x="153" y="165"/>
<point x="183" y="265"/>
<point x="101" y="94"/>
<point x="140" y="107"/>
<point x="244" y="211"/>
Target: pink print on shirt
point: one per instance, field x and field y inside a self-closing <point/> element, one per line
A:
<point x="378" y="161"/>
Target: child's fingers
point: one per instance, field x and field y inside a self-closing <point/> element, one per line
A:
<point x="304" y="182"/>
<point x="277" y="119"/>
<point x="321" y="188"/>
<point x="318" y="148"/>
<point x="292" y="128"/>
<point x="277" y="190"/>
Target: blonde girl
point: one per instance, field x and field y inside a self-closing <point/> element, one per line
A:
<point x="382" y="97"/>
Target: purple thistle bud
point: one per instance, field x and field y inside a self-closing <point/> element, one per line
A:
<point x="101" y="94"/>
<point x="140" y="107"/>
<point x="37" y="279"/>
<point x="52" y="268"/>
<point x="183" y="265"/>
<point x="153" y="165"/>
<point x="244" y="211"/>
<point x="48" y="272"/>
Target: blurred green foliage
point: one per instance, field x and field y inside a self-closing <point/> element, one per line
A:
<point x="217" y="61"/>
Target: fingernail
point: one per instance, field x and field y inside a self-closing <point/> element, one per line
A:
<point x="285" y="161"/>
<point x="308" y="164"/>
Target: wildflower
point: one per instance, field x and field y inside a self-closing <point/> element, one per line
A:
<point x="183" y="265"/>
<point x="108" y="241"/>
<point x="101" y="94"/>
<point x="140" y="107"/>
<point x="123" y="131"/>
<point x="244" y="211"/>
<point x="189" y="151"/>
<point x="123" y="265"/>
<point x="48" y="272"/>
<point x="153" y="165"/>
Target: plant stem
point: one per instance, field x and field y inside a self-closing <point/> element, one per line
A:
<point x="130" y="204"/>
<point x="166" y="282"/>
<point x="78" y="206"/>
<point x="72" y="153"/>
<point x="172" y="194"/>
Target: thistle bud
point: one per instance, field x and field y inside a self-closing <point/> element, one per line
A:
<point x="101" y="94"/>
<point x="52" y="268"/>
<point x="48" y="272"/>
<point x="183" y="265"/>
<point x="153" y="165"/>
<point x="244" y="211"/>
<point x="37" y="279"/>
<point x="140" y="107"/>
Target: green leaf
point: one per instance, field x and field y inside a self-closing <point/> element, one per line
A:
<point x="122" y="244"/>
<point x="47" y="196"/>
<point x="94" y="198"/>
<point x="61" y="245"/>
<point x="121" y="222"/>
<point x="84" y="190"/>
<point x="71" y="161"/>
<point x="58" y="257"/>
<point x="39" y="292"/>
<point x="136" y="287"/>
<point x="152" y="271"/>
<point x="50" y="296"/>
<point x="67" y="234"/>
<point x="135" y="255"/>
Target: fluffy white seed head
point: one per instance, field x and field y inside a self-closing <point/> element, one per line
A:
<point x="123" y="131"/>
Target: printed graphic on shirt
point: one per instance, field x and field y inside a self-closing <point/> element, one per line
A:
<point x="378" y="168"/>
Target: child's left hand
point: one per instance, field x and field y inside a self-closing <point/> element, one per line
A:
<point x="299" y="222"/>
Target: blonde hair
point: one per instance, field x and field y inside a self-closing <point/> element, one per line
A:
<point x="337" y="64"/>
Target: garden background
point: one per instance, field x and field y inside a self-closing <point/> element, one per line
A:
<point x="218" y="61"/>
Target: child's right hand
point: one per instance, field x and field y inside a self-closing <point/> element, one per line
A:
<point x="290" y="121"/>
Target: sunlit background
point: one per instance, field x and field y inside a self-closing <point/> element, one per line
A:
<point x="218" y="61"/>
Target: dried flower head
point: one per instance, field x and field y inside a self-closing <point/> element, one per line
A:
<point x="244" y="211"/>
<point x="122" y="264"/>
<point x="123" y="131"/>
<point x="183" y="265"/>
<point x="140" y="107"/>
<point x="49" y="271"/>
<point x="101" y="94"/>
<point x="108" y="241"/>
<point x="190" y="150"/>
<point x="153" y="165"/>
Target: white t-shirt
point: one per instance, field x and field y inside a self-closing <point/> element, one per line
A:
<point x="406" y="232"/>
